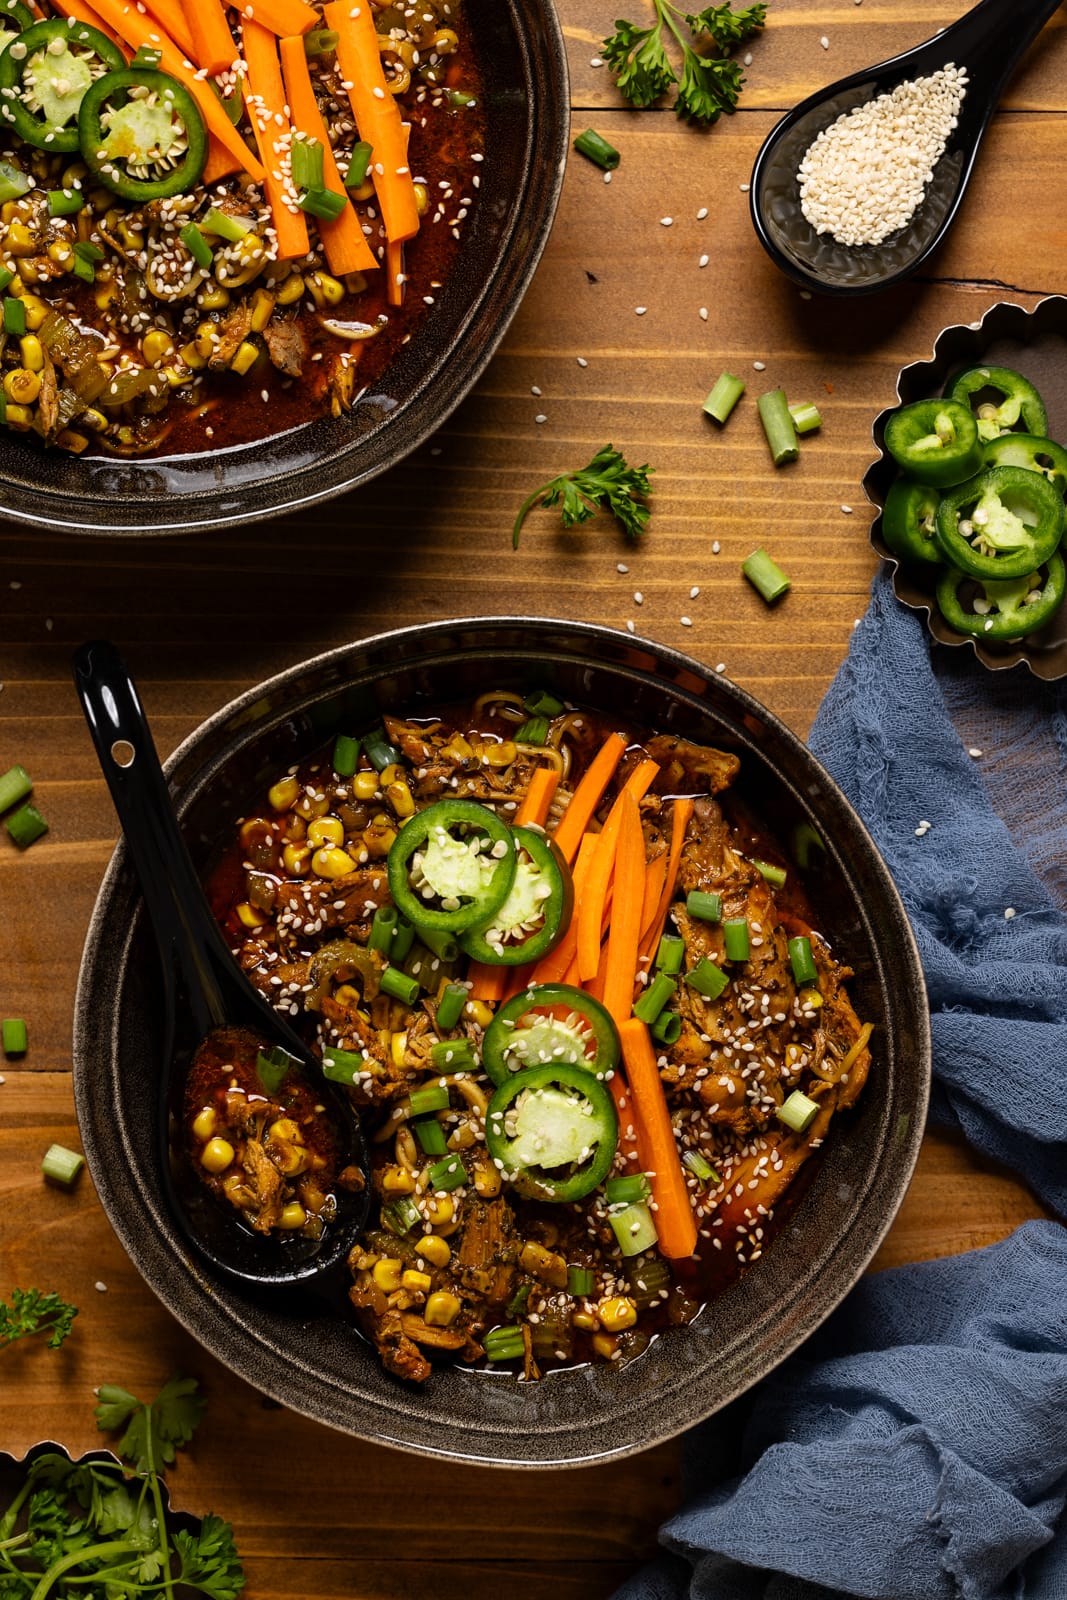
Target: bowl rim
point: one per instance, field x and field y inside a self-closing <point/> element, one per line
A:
<point x="907" y="1134"/>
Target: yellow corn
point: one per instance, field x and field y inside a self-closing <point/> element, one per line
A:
<point x="365" y="1260"/>
<point x="365" y="785"/>
<point x="207" y="337"/>
<point x="397" y="1180"/>
<point x="204" y="1123"/>
<point x="330" y="862"/>
<point x="586" y="1321"/>
<point x="18" y="417"/>
<point x="487" y="1179"/>
<point x="75" y="173"/>
<point x="477" y="1011"/>
<point x="31" y="352"/>
<point x="60" y="252"/>
<point x="157" y="347"/>
<point x="499" y="755"/>
<point x="390" y="774"/>
<point x="291" y="290"/>
<point x="365" y="190"/>
<point x="245" y="359"/>
<point x="438" y="1210"/>
<point x="21" y="386"/>
<point x="326" y="830"/>
<point x="296" y="858"/>
<point x="346" y="995"/>
<point x="18" y="241"/>
<point x="9" y="211"/>
<point x="417" y="1282"/>
<point x="605" y="1345"/>
<point x="442" y="1309"/>
<point x="293" y="1216"/>
<point x="285" y="1129"/>
<point x="309" y="808"/>
<point x="175" y="376"/>
<point x="94" y="420"/>
<point x="262" y="309"/>
<point x="105" y="291"/>
<point x="251" y="915"/>
<point x="386" y="1274"/>
<point x="457" y="748"/>
<point x="214" y="299"/>
<point x="544" y="1264"/>
<point x="217" y="1155"/>
<point x="445" y="40"/>
<point x="399" y="797"/>
<point x="435" y="1251"/>
<point x="36" y="310"/>
<point x="422" y="198"/>
<point x="324" y="290"/>
<point x="282" y="794"/>
<point x="74" y="442"/>
<point x="617" y="1313"/>
<point x="810" y="998"/>
<point x="379" y="837"/>
<point x="398" y="1046"/>
<point x="190" y="354"/>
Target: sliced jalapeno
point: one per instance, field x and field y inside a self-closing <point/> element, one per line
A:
<point x="552" y="1131"/>
<point x="1001" y="524"/>
<point x="534" y="917"/>
<point x="45" y="74"/>
<point x="1007" y="609"/>
<point x="999" y="397"/>
<point x="909" y="520"/>
<point x="15" y="18"/>
<point x="1029" y="451"/>
<point x="142" y="135"/>
<point x="550" y="1022"/>
<point x="451" y="866"/>
<point x="935" y="441"/>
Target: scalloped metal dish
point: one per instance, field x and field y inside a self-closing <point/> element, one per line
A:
<point x="1035" y="342"/>
<point x="12" y="1464"/>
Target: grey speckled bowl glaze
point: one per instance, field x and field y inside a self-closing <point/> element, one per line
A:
<point x="521" y="52"/>
<point x="307" y="1353"/>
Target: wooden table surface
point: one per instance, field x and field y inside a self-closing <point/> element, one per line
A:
<point x="200" y="619"/>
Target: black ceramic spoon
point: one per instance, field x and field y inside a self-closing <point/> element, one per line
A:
<point x="204" y="989"/>
<point x="987" y="42"/>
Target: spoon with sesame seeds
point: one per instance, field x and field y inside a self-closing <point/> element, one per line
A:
<point x="856" y="186"/>
<point x="208" y="1001"/>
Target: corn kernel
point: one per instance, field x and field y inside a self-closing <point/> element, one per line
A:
<point x="31" y="352"/>
<point x="207" y="337"/>
<point x="605" y="1345"/>
<point x="365" y="785"/>
<point x="487" y="1179"/>
<point x="18" y="241"/>
<point x="586" y="1321"/>
<point x="245" y="359"/>
<point x="500" y="755"/>
<point x="94" y="420"/>
<point x="422" y="199"/>
<point x="291" y="290"/>
<point x="386" y="1274"/>
<point x="435" y="1251"/>
<point x="74" y="442"/>
<point x="544" y="1264"/>
<point x="326" y="830"/>
<point x="105" y="291"/>
<point x="175" y="376"/>
<point x="442" y="1309"/>
<point x="204" y="1123"/>
<point x="282" y="794"/>
<point x="365" y="191"/>
<point x="286" y="1130"/>
<point x="214" y="299"/>
<point x="18" y="417"/>
<point x="36" y="311"/>
<point x="8" y="211"/>
<point x="293" y="1216"/>
<point x="60" y="252"/>
<point x="617" y="1313"/>
<point x="438" y="1209"/>
<point x="296" y="859"/>
<point x="325" y="291"/>
<point x="477" y="1011"/>
<point x="250" y="915"/>
<point x="309" y="807"/>
<point x="390" y="774"/>
<point x="21" y="386"/>
<point x="397" y="1180"/>
<point x="399" y="797"/>
<point x="157" y="347"/>
<point x="262" y="309"/>
<point x="416" y="1282"/>
<point x="217" y="1155"/>
<point x="346" y="995"/>
<point x="398" y="1046"/>
<point x="378" y="839"/>
<point x="329" y="862"/>
<point x="811" y="998"/>
<point x="365" y="1260"/>
<point x="190" y="354"/>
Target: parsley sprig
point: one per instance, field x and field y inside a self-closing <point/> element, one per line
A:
<point x="711" y="80"/>
<point x="608" y="483"/>
<point x="32" y="1312"/>
<point x="101" y="1528"/>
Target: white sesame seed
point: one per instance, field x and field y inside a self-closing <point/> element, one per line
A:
<point x="540" y="417"/>
<point x="639" y="311"/>
<point x="1009" y="912"/>
<point x="622" y="567"/>
<point x="748" y="58"/>
<point x="703" y="261"/>
<point x="687" y="622"/>
<point x="715" y="547"/>
<point x="702" y="213"/>
<point x="847" y="510"/>
<point x="824" y="41"/>
<point x="974" y="751"/>
<point x="607" y="177"/>
<point x="759" y="366"/>
<point x="630" y="627"/>
<point x="743" y="187"/>
<point x="534" y="389"/>
<point x="703" y="313"/>
<point x="694" y="591"/>
<point x="582" y="362"/>
<point x="595" y="61"/>
<point x="639" y="598"/>
<point x="666" y="222"/>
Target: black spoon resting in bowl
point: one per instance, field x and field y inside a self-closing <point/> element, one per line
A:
<point x="204" y="990"/>
<point x="987" y="44"/>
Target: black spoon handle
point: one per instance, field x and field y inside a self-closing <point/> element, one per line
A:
<point x="182" y="921"/>
<point x="989" y="40"/>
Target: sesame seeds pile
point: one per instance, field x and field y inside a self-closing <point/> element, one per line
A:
<point x="865" y="175"/>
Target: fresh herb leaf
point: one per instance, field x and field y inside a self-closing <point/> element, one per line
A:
<point x="710" y="81"/>
<point x="209" y="1561"/>
<point x="607" y="483"/>
<point x="32" y="1312"/>
<point x="152" y="1431"/>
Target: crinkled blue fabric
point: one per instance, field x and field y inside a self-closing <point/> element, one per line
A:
<point x="916" y="1447"/>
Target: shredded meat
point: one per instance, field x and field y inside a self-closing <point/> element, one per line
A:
<point x="233" y="331"/>
<point x="693" y="766"/>
<point x="312" y="906"/>
<point x="286" y="347"/>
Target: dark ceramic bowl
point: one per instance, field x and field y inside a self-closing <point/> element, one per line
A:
<point x="521" y="52"/>
<point x="307" y="1353"/>
<point x="1034" y="343"/>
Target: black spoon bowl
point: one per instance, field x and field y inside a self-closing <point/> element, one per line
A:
<point x="204" y="990"/>
<point x="987" y="44"/>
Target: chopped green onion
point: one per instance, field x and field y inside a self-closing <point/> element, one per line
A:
<point x="774" y="875"/>
<point x="803" y="962"/>
<point x="667" y="1028"/>
<point x="14" y="317"/>
<point x="403" y="939"/>
<point x="581" y="1281"/>
<point x="383" y="929"/>
<point x="778" y="426"/>
<point x="197" y="246"/>
<point x="517" y="1303"/>
<point x="13" y="183"/>
<point x="232" y="229"/>
<point x="433" y="1097"/>
<point x="15" y="785"/>
<point x="655" y="997"/>
<point x="453" y="1055"/>
<point x="450" y="1007"/>
<point x="701" y="1168"/>
<point x="325" y="203"/>
<point x="649" y="1276"/>
<point x="147" y="58"/>
<point x="26" y="826"/>
<point x="65" y="202"/>
<point x="705" y="907"/>
<point x="400" y="986"/>
<point x="272" y="1066"/>
<point x="542" y="704"/>
<point x="343" y="1066"/>
<point x="84" y="264"/>
<point x="504" y="1344"/>
<point x="807" y="839"/>
<point x="306" y="162"/>
<point x="320" y="42"/>
<point x="634" y="1229"/>
<point x="379" y="752"/>
<point x="535" y="731"/>
<point x="724" y="396"/>
<point x="707" y="979"/>
<point x="798" y="1112"/>
<point x="597" y="149"/>
<point x="401" y="1215"/>
<point x="735" y="938"/>
<point x="6" y="277"/>
<point x="671" y="954"/>
<point x="431" y="1136"/>
<point x="447" y="1174"/>
<point x="13" y="1036"/>
<point x="630" y="1189"/>
<point x="346" y="752"/>
<point x="460" y="98"/>
<point x="766" y="576"/>
<point x="441" y="942"/>
<point x="62" y="1165"/>
<point x="359" y="164"/>
<point x="805" y="417"/>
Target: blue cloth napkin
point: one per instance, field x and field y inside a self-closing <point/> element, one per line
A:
<point x="916" y="1447"/>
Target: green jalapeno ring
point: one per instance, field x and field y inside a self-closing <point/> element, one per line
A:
<point x="1022" y="546"/>
<point x="506" y="1040"/>
<point x="1021" y="399"/>
<point x="164" y="100"/>
<point x="562" y="1120"/>
<point x="1015" y="620"/>
<point x="935" y="441"/>
<point x="1032" y="452"/>
<point x="84" y="54"/>
<point x="542" y="892"/>
<point x="909" y="518"/>
<point x="446" y="830"/>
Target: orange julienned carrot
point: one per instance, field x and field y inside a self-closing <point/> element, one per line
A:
<point x="675" y="1222"/>
<point x="268" y="111"/>
<point x="485" y="982"/>
<point x="174" y="19"/>
<point x="220" y="162"/>
<point x="655" y="877"/>
<point x="683" y="810"/>
<point x="551" y="968"/>
<point x="212" y="46"/>
<point x="83" y="13"/>
<point x="136" y="29"/>
<point x="588" y="795"/>
<point x="535" y="803"/>
<point x="377" y="115"/>
<point x="624" y="932"/>
<point x="342" y="237"/>
<point x="395" y="277"/>
<point x="282" y="17"/>
<point x="592" y="902"/>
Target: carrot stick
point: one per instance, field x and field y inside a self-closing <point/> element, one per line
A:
<point x="83" y="13"/>
<point x="683" y="810"/>
<point x="220" y="163"/>
<point x="553" y="967"/>
<point x="342" y="237"/>
<point x="282" y="17"/>
<point x="212" y="44"/>
<point x="675" y="1222"/>
<point x="591" y="906"/>
<point x="588" y="795"/>
<point x="394" y="272"/>
<point x="487" y="982"/>
<point x="624" y="933"/>
<point x="535" y="803"/>
<point x="268" y="110"/>
<point x="377" y="115"/>
<point x="135" y="29"/>
<point x="655" y="877"/>
<point x="174" y="19"/>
